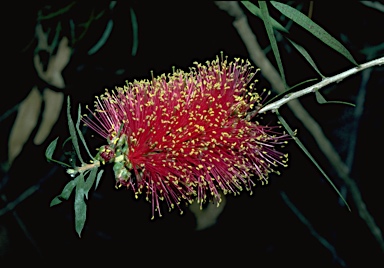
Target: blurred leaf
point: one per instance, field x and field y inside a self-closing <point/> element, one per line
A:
<point x="320" y="99"/>
<point x="98" y="178"/>
<point x="103" y="38"/>
<point x="72" y="131"/>
<point x="26" y="120"/>
<point x="298" y="142"/>
<point x="9" y="112"/>
<point x="135" y="32"/>
<point x="80" y="205"/>
<point x="53" y="14"/>
<point x="306" y="56"/>
<point x="207" y="216"/>
<point x="55" y="40"/>
<point x="272" y="39"/>
<point x="81" y="134"/>
<point x="53" y="103"/>
<point x="256" y="11"/>
<point x="51" y="71"/>
<point x="373" y="51"/>
<point x="313" y="28"/>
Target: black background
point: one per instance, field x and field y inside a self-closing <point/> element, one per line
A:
<point x="252" y="230"/>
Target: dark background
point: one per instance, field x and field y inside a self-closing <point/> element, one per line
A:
<point x="257" y="229"/>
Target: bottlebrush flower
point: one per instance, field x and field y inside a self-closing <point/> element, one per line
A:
<point x="187" y="135"/>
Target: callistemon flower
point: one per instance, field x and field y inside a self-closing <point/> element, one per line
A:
<point x="188" y="135"/>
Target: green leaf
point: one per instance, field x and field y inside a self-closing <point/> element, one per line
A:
<point x="268" y="26"/>
<point x="66" y="140"/>
<point x="135" y="32"/>
<point x="306" y="56"/>
<point x="81" y="134"/>
<point x="103" y="39"/>
<point x="53" y="14"/>
<point x="66" y="192"/>
<point x="256" y="11"/>
<point x="49" y="153"/>
<point x="290" y="131"/>
<point x="289" y="90"/>
<point x="80" y="205"/>
<point x="55" y="201"/>
<point x="98" y="178"/>
<point x="373" y="51"/>
<point x="320" y="99"/>
<point x="72" y="131"/>
<point x="50" y="149"/>
<point x="313" y="28"/>
<point x="90" y="181"/>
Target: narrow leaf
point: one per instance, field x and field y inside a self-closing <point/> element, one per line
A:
<point x="66" y="193"/>
<point x="306" y="56"/>
<point x="81" y="134"/>
<point x="50" y="149"/>
<point x="320" y="99"/>
<point x="49" y="153"/>
<point x="289" y="90"/>
<point x="313" y="28"/>
<point x="72" y="131"/>
<point x="290" y="131"/>
<point x="256" y="11"/>
<point x="80" y="205"/>
<point x="55" y="201"/>
<point x="103" y="39"/>
<point x="98" y="178"/>
<point x="135" y="32"/>
<point x="272" y="39"/>
<point x="90" y="181"/>
<point x="65" y="142"/>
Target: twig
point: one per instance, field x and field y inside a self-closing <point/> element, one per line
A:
<point x="27" y="193"/>
<point x="83" y="168"/>
<point x="325" y="82"/>
<point x="258" y="57"/>
<point x="11" y="205"/>
<point x="9" y="112"/>
<point x="305" y="221"/>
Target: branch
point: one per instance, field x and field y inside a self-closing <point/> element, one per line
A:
<point x="257" y="56"/>
<point x="325" y="82"/>
<point x="11" y="205"/>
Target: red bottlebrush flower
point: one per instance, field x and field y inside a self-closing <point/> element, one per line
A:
<point x="187" y="135"/>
